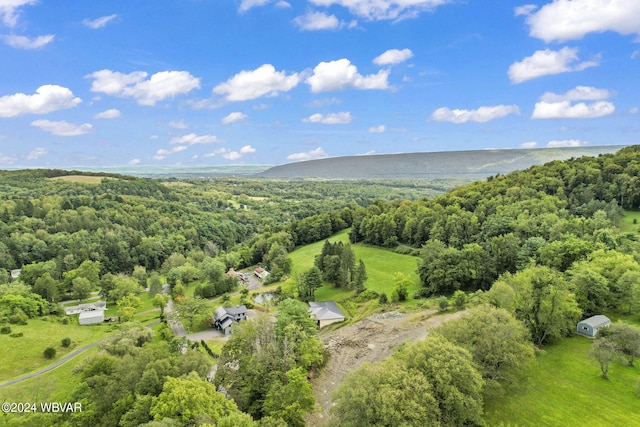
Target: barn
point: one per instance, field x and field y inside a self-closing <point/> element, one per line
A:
<point x="91" y="317"/>
<point x="589" y="327"/>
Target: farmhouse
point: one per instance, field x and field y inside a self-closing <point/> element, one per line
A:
<point x="326" y="313"/>
<point x="589" y="327"/>
<point x="224" y="317"/>
<point x="91" y="317"/>
<point x="261" y="273"/>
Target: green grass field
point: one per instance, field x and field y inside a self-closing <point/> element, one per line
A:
<point x="24" y="354"/>
<point x="82" y="179"/>
<point x="565" y="389"/>
<point x="627" y="222"/>
<point x="381" y="265"/>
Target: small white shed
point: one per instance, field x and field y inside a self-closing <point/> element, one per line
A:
<point x="589" y="327"/>
<point x="91" y="317"/>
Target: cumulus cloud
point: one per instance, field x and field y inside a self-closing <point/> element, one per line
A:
<point x="393" y="56"/>
<point x="330" y="119"/>
<point x="111" y="113"/>
<point x="524" y="10"/>
<point x="546" y="62"/>
<point x="318" y="153"/>
<point x="263" y="81"/>
<point x="573" y="19"/>
<point x="377" y="129"/>
<point x="236" y="116"/>
<point x="314" y="21"/>
<point x="341" y="74"/>
<point x="7" y="159"/>
<point x="160" y="86"/>
<point x="384" y="9"/>
<point x="235" y="155"/>
<point x="162" y="154"/>
<point x="192" y="139"/>
<point x="566" y="143"/>
<point x="530" y="144"/>
<point x="101" y="22"/>
<point x="23" y="42"/>
<point x="62" y="128"/>
<point x="48" y="98"/>
<point x="482" y="114"/>
<point x="36" y="153"/>
<point x="134" y="162"/>
<point x="246" y="5"/>
<point x="560" y="106"/>
<point x="10" y="10"/>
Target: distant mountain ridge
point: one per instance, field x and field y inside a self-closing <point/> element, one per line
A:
<point x="461" y="165"/>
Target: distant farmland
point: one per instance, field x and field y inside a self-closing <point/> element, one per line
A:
<point x="82" y="179"/>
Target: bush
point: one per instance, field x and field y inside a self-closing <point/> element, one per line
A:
<point x="366" y="295"/>
<point x="17" y="335"/>
<point x="422" y="293"/>
<point x="459" y="299"/>
<point x="19" y="317"/>
<point x="49" y="353"/>
<point x="443" y="303"/>
<point x="66" y="342"/>
<point x="64" y="320"/>
<point x="383" y="299"/>
<point x="5" y="329"/>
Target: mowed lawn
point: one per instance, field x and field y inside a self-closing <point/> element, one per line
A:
<point x="82" y="179"/>
<point x="22" y="355"/>
<point x="565" y="389"/>
<point x="627" y="221"/>
<point x="381" y="265"/>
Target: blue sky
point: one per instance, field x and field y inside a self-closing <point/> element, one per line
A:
<point x="227" y="82"/>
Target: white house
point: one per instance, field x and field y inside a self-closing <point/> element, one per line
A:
<point x="326" y="313"/>
<point x="91" y="317"/>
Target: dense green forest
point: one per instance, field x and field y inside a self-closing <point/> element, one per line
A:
<point x="542" y="247"/>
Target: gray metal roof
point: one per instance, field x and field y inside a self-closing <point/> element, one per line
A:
<point x="597" y="320"/>
<point x="326" y="310"/>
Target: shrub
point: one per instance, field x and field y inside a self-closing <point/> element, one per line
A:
<point x="459" y="299"/>
<point x="5" y="329"/>
<point x="366" y="295"/>
<point x="443" y="303"/>
<point x="64" y="320"/>
<point x="49" y="353"/>
<point x="19" y="317"/>
<point x="17" y="335"/>
<point x="422" y="293"/>
<point x="66" y="342"/>
<point x="383" y="299"/>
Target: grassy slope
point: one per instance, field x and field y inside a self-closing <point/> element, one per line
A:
<point x="381" y="265"/>
<point x="38" y="335"/>
<point x="627" y="222"/>
<point x="565" y="389"/>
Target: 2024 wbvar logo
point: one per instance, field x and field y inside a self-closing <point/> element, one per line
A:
<point x="45" y="407"/>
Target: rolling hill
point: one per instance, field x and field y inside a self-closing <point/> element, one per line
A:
<point x="460" y="165"/>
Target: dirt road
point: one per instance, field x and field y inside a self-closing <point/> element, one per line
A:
<point x="369" y="340"/>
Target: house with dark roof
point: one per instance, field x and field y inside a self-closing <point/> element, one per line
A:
<point x="326" y="313"/>
<point x="224" y="317"/>
<point x="82" y="308"/>
<point x="589" y="327"/>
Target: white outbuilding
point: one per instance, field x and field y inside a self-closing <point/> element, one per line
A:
<point x="589" y="327"/>
<point x="91" y="317"/>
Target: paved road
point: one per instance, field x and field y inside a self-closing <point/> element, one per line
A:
<point x="50" y="367"/>
<point x="174" y="322"/>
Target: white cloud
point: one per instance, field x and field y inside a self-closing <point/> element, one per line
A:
<point x="245" y="5"/>
<point x="192" y="139"/>
<point x="7" y="159"/>
<point x="22" y="42"/>
<point x="330" y="119"/>
<point x="393" y="56"/>
<point x="101" y="22"/>
<point x="161" y="154"/>
<point x="573" y="19"/>
<point x="160" y="86"/>
<point x="582" y="93"/>
<point x="377" y="129"/>
<point x="235" y="155"/>
<point x="374" y="10"/>
<point x="342" y="74"/>
<point x="283" y="4"/>
<point x="557" y="106"/>
<point x="36" y="153"/>
<point x="317" y="103"/>
<point x="111" y="113"/>
<point x="318" y="153"/>
<point x="524" y="10"/>
<point x="48" y="98"/>
<point x="134" y="162"/>
<point x="546" y="62"/>
<point x="264" y="80"/>
<point x="9" y="10"/>
<point x="62" y="128"/>
<point x="314" y="21"/>
<point x="233" y="117"/>
<point x="634" y="110"/>
<point x="482" y="114"/>
<point x="566" y="110"/>
<point x="178" y="124"/>
<point x="566" y="143"/>
<point x="530" y="144"/>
